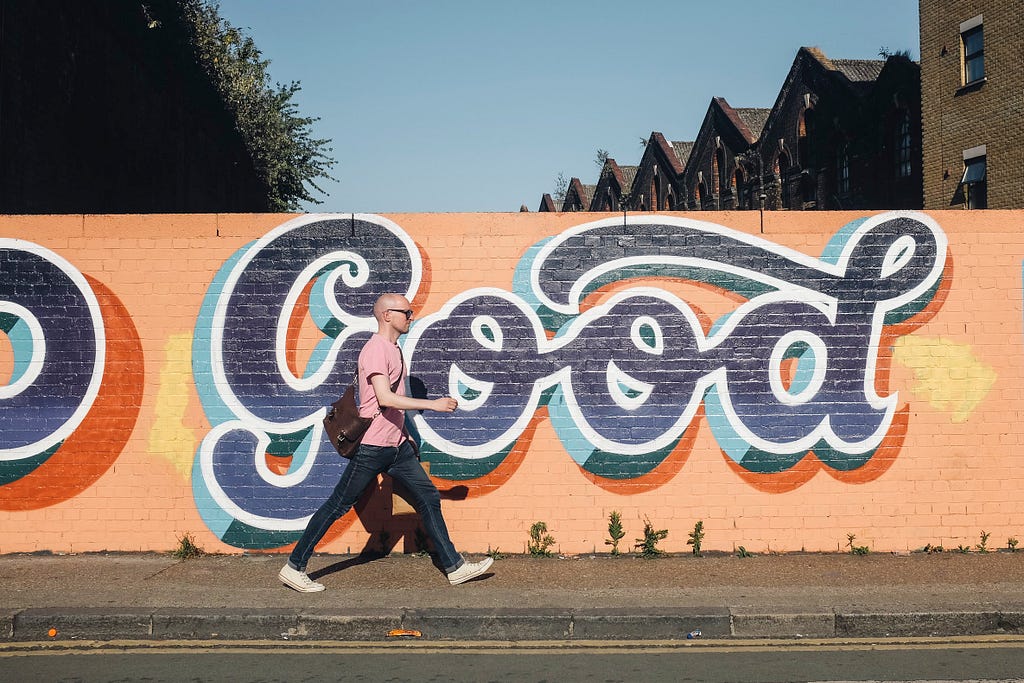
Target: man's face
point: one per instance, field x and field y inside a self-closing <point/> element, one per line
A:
<point x="395" y="315"/>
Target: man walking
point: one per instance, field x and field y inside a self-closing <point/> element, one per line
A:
<point x="385" y="448"/>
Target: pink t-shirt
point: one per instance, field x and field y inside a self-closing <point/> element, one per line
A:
<point x="381" y="357"/>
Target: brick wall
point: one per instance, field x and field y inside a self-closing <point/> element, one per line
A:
<point x="829" y="374"/>
<point x="957" y="118"/>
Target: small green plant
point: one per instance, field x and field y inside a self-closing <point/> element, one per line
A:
<point x="1011" y="544"/>
<point x="696" y="537"/>
<point x="615" y="531"/>
<point x="495" y="554"/>
<point x="983" y="543"/>
<point x="187" y="548"/>
<point x="648" y="545"/>
<point x="963" y="548"/>
<point x="855" y="549"/>
<point x="742" y="552"/>
<point x="420" y="538"/>
<point x="929" y="548"/>
<point x="540" y="540"/>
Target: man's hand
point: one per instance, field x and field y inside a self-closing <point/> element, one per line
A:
<point x="444" y="405"/>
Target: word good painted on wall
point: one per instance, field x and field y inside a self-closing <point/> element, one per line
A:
<point x="623" y="367"/>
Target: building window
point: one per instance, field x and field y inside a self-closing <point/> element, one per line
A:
<point x="843" y="170"/>
<point x="803" y="145"/>
<point x="903" y="165"/>
<point x="974" y="182"/>
<point x="722" y="177"/>
<point x="973" y="44"/>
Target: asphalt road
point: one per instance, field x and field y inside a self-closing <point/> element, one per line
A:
<point x="978" y="660"/>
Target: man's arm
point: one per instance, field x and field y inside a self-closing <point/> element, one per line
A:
<point x="389" y="399"/>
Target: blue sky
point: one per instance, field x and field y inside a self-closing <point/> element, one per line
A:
<point x="456" y="106"/>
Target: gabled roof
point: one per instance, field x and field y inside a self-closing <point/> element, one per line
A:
<point x="549" y="204"/>
<point x="859" y="70"/>
<point x="577" y="193"/>
<point x="862" y="73"/>
<point x="674" y="154"/>
<point x="682" y="151"/>
<point x="628" y="176"/>
<point x="855" y="75"/>
<point x="622" y="175"/>
<point x="754" y="120"/>
<point x="612" y="174"/>
<point x="738" y="128"/>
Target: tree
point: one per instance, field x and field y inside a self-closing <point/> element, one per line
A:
<point x="602" y="156"/>
<point x="279" y="141"/>
<point x="561" y="187"/>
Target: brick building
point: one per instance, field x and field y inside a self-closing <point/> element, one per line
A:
<point x="842" y="134"/>
<point x="657" y="185"/>
<point x="578" y="196"/>
<point x="715" y="177"/>
<point x="104" y="109"/>
<point x="613" y="187"/>
<point x="972" y="97"/>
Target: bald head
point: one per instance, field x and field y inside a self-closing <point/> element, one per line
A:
<point x="386" y="301"/>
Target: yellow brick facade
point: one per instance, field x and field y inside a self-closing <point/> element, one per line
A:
<point x="959" y="117"/>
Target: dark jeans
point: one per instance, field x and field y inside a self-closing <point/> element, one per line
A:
<point x="401" y="463"/>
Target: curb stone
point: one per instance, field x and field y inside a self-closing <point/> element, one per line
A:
<point x="470" y="624"/>
<point x="230" y="624"/>
<point x="797" y="625"/>
<point x="95" y="623"/>
<point x="355" y="625"/>
<point x="369" y="625"/>
<point x="611" y="624"/>
<point x="855" y="625"/>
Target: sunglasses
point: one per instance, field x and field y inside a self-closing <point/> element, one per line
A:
<point x="407" y="311"/>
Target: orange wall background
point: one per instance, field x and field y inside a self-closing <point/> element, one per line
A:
<point x="123" y="476"/>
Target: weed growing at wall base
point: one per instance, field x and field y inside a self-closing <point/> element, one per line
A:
<point x="648" y="545"/>
<point x="540" y="540"/>
<point x="855" y="549"/>
<point x="187" y="548"/>
<point x="615" y="531"/>
<point x="696" y="537"/>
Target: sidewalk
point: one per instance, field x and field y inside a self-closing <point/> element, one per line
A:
<point x="102" y="597"/>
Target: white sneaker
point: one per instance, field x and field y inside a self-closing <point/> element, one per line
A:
<point x="469" y="570"/>
<point x="293" y="578"/>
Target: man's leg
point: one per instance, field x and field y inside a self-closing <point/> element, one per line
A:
<point x="427" y="501"/>
<point x="361" y="470"/>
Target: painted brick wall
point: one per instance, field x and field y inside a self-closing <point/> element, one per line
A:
<point x="831" y="374"/>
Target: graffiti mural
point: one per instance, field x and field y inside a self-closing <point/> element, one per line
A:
<point x="75" y="383"/>
<point x="624" y="368"/>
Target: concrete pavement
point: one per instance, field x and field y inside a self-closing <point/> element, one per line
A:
<point x="149" y="596"/>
